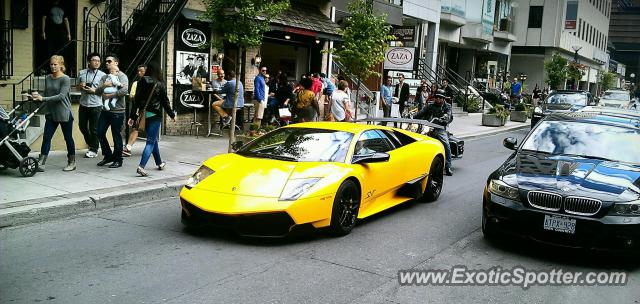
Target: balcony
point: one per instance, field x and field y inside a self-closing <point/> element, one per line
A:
<point x="475" y="31"/>
<point x="452" y="12"/>
<point x="504" y="21"/>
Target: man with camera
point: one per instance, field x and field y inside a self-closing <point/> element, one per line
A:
<point x="439" y="112"/>
<point x="90" y="103"/>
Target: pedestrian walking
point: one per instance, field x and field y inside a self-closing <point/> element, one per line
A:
<point x="90" y="103"/>
<point x="340" y="108"/>
<point x="133" y="135"/>
<point x="260" y="93"/>
<point x="58" y="104"/>
<point x="114" y="117"/>
<point x="151" y="99"/>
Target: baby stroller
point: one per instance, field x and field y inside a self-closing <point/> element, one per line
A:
<point x="15" y="154"/>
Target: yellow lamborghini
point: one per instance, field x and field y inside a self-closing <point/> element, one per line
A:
<point x="313" y="175"/>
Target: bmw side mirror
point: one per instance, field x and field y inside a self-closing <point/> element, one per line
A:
<point x="236" y="145"/>
<point x="510" y="143"/>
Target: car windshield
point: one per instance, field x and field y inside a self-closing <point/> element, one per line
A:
<point x="585" y="139"/>
<point x="573" y="99"/>
<point x="616" y="96"/>
<point x="300" y="145"/>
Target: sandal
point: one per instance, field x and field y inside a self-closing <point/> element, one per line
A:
<point x="141" y="172"/>
<point x="161" y="166"/>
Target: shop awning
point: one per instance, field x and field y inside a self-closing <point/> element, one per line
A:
<point x="194" y="15"/>
<point x="307" y="21"/>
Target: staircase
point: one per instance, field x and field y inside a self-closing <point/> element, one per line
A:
<point x="367" y="105"/>
<point x="144" y="30"/>
<point x="461" y="87"/>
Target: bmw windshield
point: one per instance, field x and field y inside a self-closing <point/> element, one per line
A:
<point x="587" y="140"/>
<point x="300" y="145"/>
<point x="624" y="96"/>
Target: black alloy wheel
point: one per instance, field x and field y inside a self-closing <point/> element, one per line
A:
<point x="435" y="180"/>
<point x="28" y="166"/>
<point x="345" y="208"/>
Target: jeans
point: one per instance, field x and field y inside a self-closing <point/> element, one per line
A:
<point x="443" y="137"/>
<point x="152" y="129"/>
<point x="88" y="123"/>
<point x="115" y="121"/>
<point x="50" y="127"/>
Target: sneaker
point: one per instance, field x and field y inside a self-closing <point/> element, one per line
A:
<point x="141" y="172"/>
<point x="126" y="153"/>
<point x="90" y="154"/>
<point x="226" y="120"/>
<point x="162" y="165"/>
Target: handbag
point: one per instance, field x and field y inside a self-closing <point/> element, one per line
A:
<point x="142" y="117"/>
<point x="284" y="112"/>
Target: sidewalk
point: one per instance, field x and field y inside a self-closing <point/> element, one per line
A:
<point x="55" y="193"/>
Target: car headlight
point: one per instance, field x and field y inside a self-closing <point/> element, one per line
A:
<point x="500" y="188"/>
<point x="296" y="188"/>
<point x="626" y="209"/>
<point x="537" y="110"/>
<point x="200" y="174"/>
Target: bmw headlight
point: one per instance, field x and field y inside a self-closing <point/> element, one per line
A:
<point x="296" y="188"/>
<point x="200" y="174"/>
<point x="626" y="209"/>
<point x="537" y="110"/>
<point x="500" y="188"/>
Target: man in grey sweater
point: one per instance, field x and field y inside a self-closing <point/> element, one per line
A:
<point x="114" y="117"/>
<point x="90" y="103"/>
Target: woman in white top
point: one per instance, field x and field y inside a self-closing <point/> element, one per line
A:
<point x="340" y="108"/>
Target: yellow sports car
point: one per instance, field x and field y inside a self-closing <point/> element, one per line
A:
<point x="313" y="175"/>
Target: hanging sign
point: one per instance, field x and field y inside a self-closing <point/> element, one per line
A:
<point x="399" y="58"/>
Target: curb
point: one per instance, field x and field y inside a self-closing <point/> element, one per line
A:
<point x="20" y="215"/>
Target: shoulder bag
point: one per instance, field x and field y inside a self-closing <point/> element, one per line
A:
<point x="142" y="116"/>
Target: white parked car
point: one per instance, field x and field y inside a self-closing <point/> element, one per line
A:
<point x="616" y="99"/>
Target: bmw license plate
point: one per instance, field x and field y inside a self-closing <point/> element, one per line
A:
<point x="559" y="224"/>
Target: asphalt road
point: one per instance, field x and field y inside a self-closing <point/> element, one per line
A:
<point x="142" y="254"/>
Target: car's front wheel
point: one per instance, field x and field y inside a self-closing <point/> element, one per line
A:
<point x="489" y="229"/>
<point x="434" y="181"/>
<point x="345" y="208"/>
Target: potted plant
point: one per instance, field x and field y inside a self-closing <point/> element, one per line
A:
<point x="520" y="113"/>
<point x="495" y="117"/>
<point x="473" y="105"/>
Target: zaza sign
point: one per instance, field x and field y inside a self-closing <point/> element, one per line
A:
<point x="193" y="37"/>
<point x="399" y="58"/>
<point x="190" y="97"/>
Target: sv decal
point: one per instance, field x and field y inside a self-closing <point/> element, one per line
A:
<point x="370" y="194"/>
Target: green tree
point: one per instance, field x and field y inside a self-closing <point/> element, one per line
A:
<point x="575" y="71"/>
<point x="365" y="38"/>
<point x="606" y="81"/>
<point x="241" y="22"/>
<point x="556" y="69"/>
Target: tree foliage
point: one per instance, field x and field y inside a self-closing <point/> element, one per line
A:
<point x="606" y="80"/>
<point x="365" y="39"/>
<point x="576" y="70"/>
<point x="556" y="69"/>
<point x="242" y="22"/>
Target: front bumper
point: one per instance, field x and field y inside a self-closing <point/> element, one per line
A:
<point x="605" y="233"/>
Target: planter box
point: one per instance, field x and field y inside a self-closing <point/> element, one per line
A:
<point x="519" y="116"/>
<point x="491" y="120"/>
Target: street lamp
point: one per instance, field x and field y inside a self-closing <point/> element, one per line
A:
<point x="576" y="48"/>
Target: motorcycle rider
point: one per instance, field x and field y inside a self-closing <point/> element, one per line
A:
<point x="439" y="112"/>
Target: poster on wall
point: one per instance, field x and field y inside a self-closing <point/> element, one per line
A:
<point x="189" y="65"/>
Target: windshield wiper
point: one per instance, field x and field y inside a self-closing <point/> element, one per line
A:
<point x="267" y="155"/>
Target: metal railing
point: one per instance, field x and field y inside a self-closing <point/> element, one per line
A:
<point x="101" y="27"/>
<point x="6" y="49"/>
<point x="367" y="97"/>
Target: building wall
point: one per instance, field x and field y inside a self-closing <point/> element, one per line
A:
<point x="532" y="65"/>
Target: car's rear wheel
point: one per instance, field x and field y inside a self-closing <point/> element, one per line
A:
<point x="434" y="181"/>
<point x="345" y="208"/>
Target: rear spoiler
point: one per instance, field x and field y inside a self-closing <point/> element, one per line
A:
<point x="413" y="125"/>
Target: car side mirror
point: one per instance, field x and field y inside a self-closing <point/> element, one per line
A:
<point x="510" y="143"/>
<point x="377" y="157"/>
<point x="236" y="145"/>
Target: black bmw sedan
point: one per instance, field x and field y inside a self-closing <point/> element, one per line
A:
<point x="574" y="181"/>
